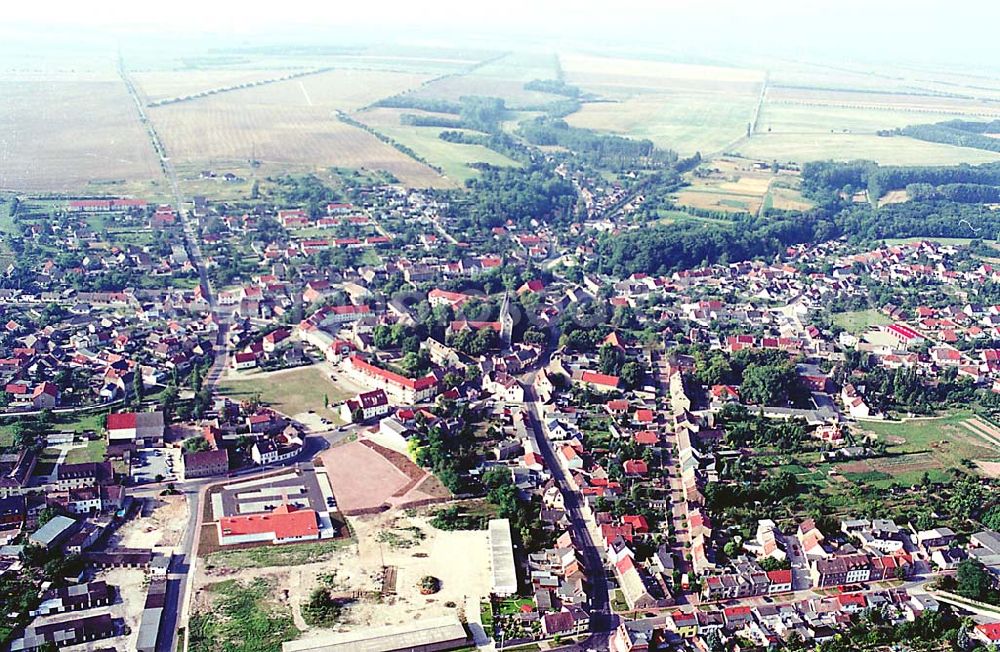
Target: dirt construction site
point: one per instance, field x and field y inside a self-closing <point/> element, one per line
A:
<point x="377" y="573"/>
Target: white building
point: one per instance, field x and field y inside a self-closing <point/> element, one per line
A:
<point x="503" y="572"/>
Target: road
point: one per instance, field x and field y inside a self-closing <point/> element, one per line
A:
<point x="602" y="620"/>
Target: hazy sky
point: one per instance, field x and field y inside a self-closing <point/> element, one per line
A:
<point x="875" y="30"/>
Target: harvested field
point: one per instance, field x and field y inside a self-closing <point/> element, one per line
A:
<point x="719" y="201"/>
<point x="919" y="106"/>
<point x="609" y="75"/>
<point x="163" y="84"/>
<point x="896" y="150"/>
<point x="71" y="135"/>
<point x="288" y="123"/>
<point x="788" y="199"/>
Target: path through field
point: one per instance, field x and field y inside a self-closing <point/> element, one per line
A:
<point x="305" y="93"/>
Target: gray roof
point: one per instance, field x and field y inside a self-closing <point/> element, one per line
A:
<point x="418" y="634"/>
<point x="51" y="531"/>
<point x="503" y="574"/>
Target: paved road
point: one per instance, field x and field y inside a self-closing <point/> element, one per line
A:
<point x="602" y="620"/>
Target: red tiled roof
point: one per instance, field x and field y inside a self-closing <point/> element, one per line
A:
<point x="286" y="522"/>
<point x="599" y="379"/>
<point x="122" y="421"/>
<point x="414" y="384"/>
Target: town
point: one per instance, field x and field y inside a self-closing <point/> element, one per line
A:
<point x="378" y="426"/>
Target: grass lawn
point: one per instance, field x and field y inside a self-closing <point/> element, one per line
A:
<point x="282" y="555"/>
<point x="511" y="607"/>
<point x="859" y="321"/>
<point x="486" y="616"/>
<point x="452" y="158"/>
<point x="47" y="461"/>
<point x="618" y="601"/>
<point x="92" y="452"/>
<point x="290" y="392"/>
<point x="65" y="422"/>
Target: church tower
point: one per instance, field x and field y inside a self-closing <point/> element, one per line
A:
<point x="506" y="321"/>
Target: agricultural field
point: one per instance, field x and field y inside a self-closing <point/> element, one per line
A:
<point x="860" y="321"/>
<point x="897" y="150"/>
<point x="278" y="125"/>
<point x="685" y="107"/>
<point x="686" y="122"/>
<point x="71" y="135"/>
<point x="503" y="77"/>
<point x="452" y="158"/>
<point x="733" y="185"/>
<point x="935" y="443"/>
<point x="157" y="85"/>
<point x="288" y="126"/>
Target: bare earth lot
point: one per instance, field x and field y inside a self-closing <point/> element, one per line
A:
<point x="162" y="523"/>
<point x="407" y="543"/>
<point x="364" y="478"/>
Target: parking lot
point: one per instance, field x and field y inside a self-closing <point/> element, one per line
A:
<point x="154" y="465"/>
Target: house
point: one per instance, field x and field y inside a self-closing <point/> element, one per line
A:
<point x="366" y="405"/>
<point x="274" y="338"/>
<point x="987" y="633"/>
<point x="571" y="620"/>
<point x="845" y="569"/>
<point x="84" y="474"/>
<point x="269" y="451"/>
<point x="285" y="524"/>
<point x="46" y="395"/>
<point x="570" y="458"/>
<point x="204" y="464"/>
<point x="596" y="381"/>
<point x="144" y="429"/>
<point x="244" y="360"/>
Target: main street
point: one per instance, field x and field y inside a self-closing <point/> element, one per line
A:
<point x="602" y="620"/>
